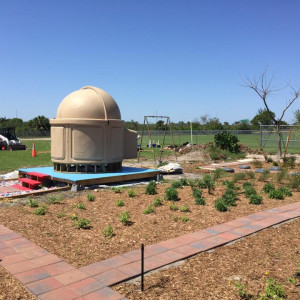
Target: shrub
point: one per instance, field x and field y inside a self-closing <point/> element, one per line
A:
<point x="55" y="199"/>
<point x="40" y="211"/>
<point x="83" y="223"/>
<point x="294" y="183"/>
<point x="209" y="183"/>
<point x="116" y="190"/>
<point x="200" y="201"/>
<point x="239" y="176"/>
<point x="90" y="197"/>
<point x="281" y="175"/>
<point x="255" y="199"/>
<point x="80" y="206"/>
<point x="249" y="191"/>
<point x="286" y="191"/>
<point x="197" y="193"/>
<point x="185" y="219"/>
<point x="229" y="184"/>
<point x="184" y="208"/>
<point x="174" y="207"/>
<point x="276" y="194"/>
<point x="217" y="174"/>
<point x="183" y="181"/>
<point x="177" y="184"/>
<point x="268" y="187"/>
<point x="251" y="174"/>
<point x="120" y="203"/>
<point x="220" y="205"/>
<point x="132" y="193"/>
<point x="171" y="194"/>
<point x="33" y="203"/>
<point x="157" y="202"/>
<point x="247" y="184"/>
<point x="148" y="210"/>
<point x="229" y="197"/>
<point x="264" y="175"/>
<point x="275" y="164"/>
<point x="257" y="164"/>
<point x="151" y="188"/>
<point x="273" y="290"/>
<point x="74" y="217"/>
<point x="227" y="141"/>
<point x="108" y="231"/>
<point x="124" y="217"/>
<point x="289" y="161"/>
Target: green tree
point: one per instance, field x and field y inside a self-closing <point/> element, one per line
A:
<point x="39" y="123"/>
<point x="263" y="117"/>
<point x="297" y="117"/>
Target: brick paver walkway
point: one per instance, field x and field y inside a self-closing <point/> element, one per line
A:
<point x="49" y="277"/>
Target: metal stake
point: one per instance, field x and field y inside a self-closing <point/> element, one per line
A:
<point x="142" y="267"/>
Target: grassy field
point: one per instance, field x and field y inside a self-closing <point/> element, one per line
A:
<point x="13" y="160"/>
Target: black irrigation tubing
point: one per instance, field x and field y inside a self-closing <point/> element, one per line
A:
<point x="142" y="267"/>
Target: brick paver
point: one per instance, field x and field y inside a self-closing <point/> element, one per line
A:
<point x="49" y="277"/>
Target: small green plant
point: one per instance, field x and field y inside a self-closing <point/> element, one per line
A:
<point x="151" y="188"/>
<point x="60" y="215"/>
<point x="249" y="191"/>
<point x="177" y="185"/>
<point x="183" y="182"/>
<point x="33" y="203"/>
<point x="273" y="290"/>
<point x="217" y="174"/>
<point x="268" y="187"/>
<point x="40" y="211"/>
<point x="132" y="193"/>
<point x="294" y="183"/>
<point x="289" y="161"/>
<point x="108" y="231"/>
<point x="220" y="205"/>
<point x="148" y="210"/>
<point x="55" y="199"/>
<point x="174" y="207"/>
<point x="120" y="203"/>
<point x="82" y="223"/>
<point x="281" y="175"/>
<point x="116" y="190"/>
<point x="230" y="197"/>
<point x="255" y="199"/>
<point x="74" y="217"/>
<point x="257" y="164"/>
<point x="157" y="202"/>
<point x="209" y="183"/>
<point x="90" y="197"/>
<point x="185" y="219"/>
<point x="251" y="175"/>
<point x="238" y="177"/>
<point x="184" y="208"/>
<point x="264" y="175"/>
<point x="286" y="191"/>
<point x="175" y="218"/>
<point x="276" y="194"/>
<point x="124" y="217"/>
<point x="199" y="200"/>
<point x="291" y="280"/>
<point x="230" y="184"/>
<point x="79" y="206"/>
<point x="247" y="184"/>
<point x="241" y="291"/>
<point x="171" y="194"/>
<point x="275" y="164"/>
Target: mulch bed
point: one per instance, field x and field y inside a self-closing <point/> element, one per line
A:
<point x="273" y="253"/>
<point x="55" y="231"/>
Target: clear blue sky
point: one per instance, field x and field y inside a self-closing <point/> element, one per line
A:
<point x="182" y="58"/>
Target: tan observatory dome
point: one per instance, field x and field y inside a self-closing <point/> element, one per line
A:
<point x="89" y="103"/>
<point x="88" y="135"/>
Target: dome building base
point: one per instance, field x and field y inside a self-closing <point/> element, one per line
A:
<point x="87" y="168"/>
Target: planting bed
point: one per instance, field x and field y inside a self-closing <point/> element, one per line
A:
<point x="55" y="231"/>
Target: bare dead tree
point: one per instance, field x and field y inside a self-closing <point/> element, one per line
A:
<point x="262" y="86"/>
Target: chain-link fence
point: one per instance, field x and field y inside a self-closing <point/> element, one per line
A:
<point x="289" y="138"/>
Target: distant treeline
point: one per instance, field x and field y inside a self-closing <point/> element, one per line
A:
<point x="40" y="126"/>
